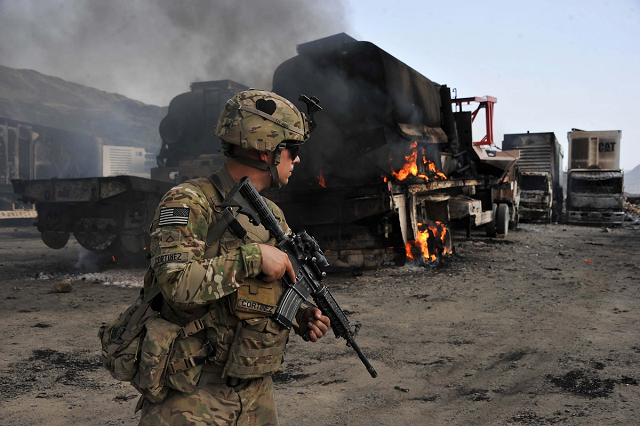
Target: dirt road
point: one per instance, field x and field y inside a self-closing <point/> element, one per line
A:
<point x="539" y="328"/>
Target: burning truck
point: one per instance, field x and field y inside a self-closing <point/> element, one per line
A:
<point x="391" y="163"/>
<point x="389" y="167"/>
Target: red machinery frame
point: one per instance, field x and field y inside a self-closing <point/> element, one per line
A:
<point x="487" y="103"/>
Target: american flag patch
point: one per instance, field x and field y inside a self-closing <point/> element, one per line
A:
<point x="173" y="216"/>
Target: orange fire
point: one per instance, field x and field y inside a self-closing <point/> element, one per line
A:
<point x="321" y="181"/>
<point x="430" y="242"/>
<point x="410" y="167"/>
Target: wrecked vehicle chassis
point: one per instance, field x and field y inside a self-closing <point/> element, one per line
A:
<point x="107" y="213"/>
<point x="466" y="202"/>
<point x="369" y="226"/>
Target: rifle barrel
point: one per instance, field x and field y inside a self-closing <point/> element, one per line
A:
<point x="351" y="342"/>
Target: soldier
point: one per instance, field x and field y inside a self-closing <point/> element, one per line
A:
<point x="220" y="288"/>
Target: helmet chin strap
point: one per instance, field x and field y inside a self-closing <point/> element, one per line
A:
<point x="271" y="168"/>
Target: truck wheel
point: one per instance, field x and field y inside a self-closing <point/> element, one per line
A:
<point x="55" y="240"/>
<point x="502" y="220"/>
<point x="490" y="227"/>
<point x="95" y="241"/>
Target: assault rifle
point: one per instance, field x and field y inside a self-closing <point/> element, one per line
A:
<point x="308" y="263"/>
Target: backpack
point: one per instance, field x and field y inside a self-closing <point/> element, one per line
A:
<point x="121" y="339"/>
<point x="138" y="347"/>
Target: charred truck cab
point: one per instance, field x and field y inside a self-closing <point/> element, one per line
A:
<point x="540" y="164"/>
<point x="595" y="182"/>
<point x="390" y="163"/>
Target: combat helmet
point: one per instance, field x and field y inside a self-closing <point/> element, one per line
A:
<point x="264" y="121"/>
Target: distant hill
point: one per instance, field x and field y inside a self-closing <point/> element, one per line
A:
<point x="632" y="181"/>
<point x="30" y="96"/>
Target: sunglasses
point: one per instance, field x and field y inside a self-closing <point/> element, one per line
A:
<point x="293" y="150"/>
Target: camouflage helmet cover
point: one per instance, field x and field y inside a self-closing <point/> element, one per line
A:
<point x="261" y="120"/>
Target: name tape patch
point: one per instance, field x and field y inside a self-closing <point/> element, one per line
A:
<point x="174" y="216"/>
<point x="171" y="257"/>
<point x="252" y="305"/>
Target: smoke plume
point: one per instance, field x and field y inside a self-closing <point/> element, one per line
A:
<point x="151" y="50"/>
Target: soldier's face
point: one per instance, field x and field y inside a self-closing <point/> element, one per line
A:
<point x="287" y="163"/>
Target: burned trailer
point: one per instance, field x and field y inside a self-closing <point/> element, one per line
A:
<point x="111" y="214"/>
<point x="595" y="182"/>
<point x="386" y="169"/>
<point x="540" y="163"/>
<point x="102" y="213"/>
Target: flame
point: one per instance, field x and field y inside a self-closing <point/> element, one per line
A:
<point x="408" y="248"/>
<point x="410" y="168"/>
<point x="439" y="230"/>
<point x="113" y="259"/>
<point x="436" y="231"/>
<point x="321" y="181"/>
<point x="432" y="168"/>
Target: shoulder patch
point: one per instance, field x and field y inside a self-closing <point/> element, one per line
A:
<point x="174" y="216"/>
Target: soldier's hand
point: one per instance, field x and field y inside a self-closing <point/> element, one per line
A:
<point x="275" y="263"/>
<point x="315" y="322"/>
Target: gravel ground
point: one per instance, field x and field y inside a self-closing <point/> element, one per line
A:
<point x="538" y="328"/>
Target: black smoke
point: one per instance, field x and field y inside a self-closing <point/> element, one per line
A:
<point x="151" y="50"/>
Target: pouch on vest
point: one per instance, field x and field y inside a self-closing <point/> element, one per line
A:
<point x="185" y="364"/>
<point x="255" y="299"/>
<point x="154" y="358"/>
<point x="257" y="350"/>
<point x="223" y="336"/>
<point x="120" y="340"/>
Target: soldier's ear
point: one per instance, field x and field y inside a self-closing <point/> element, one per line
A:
<point x="264" y="156"/>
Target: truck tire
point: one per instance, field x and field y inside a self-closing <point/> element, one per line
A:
<point x="490" y="227"/>
<point x="95" y="241"/>
<point x="55" y="240"/>
<point x="502" y="220"/>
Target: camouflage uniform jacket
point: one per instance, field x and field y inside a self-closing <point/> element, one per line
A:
<point x="195" y="279"/>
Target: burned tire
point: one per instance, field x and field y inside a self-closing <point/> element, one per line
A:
<point x="490" y="227"/>
<point x="95" y="241"/>
<point x="502" y="220"/>
<point x="55" y="240"/>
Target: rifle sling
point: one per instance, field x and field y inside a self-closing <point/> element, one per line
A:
<point x="228" y="219"/>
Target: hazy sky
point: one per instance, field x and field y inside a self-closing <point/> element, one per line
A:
<point x="553" y="65"/>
